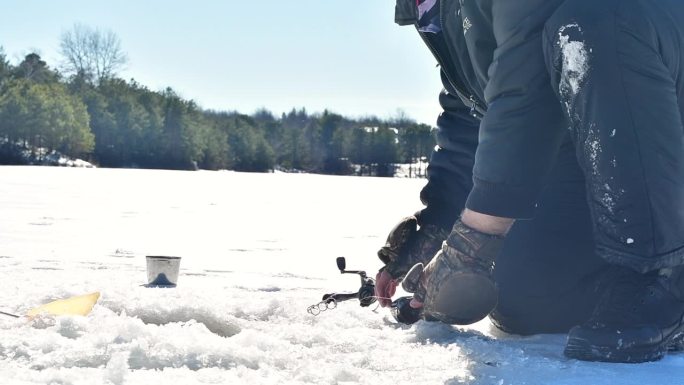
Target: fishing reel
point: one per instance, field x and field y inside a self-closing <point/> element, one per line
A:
<point x="365" y="294"/>
<point x="400" y="308"/>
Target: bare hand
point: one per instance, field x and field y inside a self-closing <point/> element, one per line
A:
<point x="385" y="287"/>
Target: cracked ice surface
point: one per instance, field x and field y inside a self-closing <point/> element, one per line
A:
<point x="257" y="250"/>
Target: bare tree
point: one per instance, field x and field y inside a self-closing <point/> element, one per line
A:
<point x="91" y="52"/>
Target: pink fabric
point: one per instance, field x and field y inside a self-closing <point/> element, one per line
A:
<point x="428" y="16"/>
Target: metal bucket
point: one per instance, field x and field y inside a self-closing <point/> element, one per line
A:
<point x="162" y="271"/>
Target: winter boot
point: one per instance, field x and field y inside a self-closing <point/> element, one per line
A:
<point x="639" y="318"/>
<point x="677" y="344"/>
<point x="676" y="281"/>
<point x="457" y="286"/>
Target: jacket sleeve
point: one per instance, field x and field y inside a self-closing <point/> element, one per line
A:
<point x="522" y="130"/>
<point x="451" y="163"/>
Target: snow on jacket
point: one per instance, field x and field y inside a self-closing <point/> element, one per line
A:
<point x="501" y="117"/>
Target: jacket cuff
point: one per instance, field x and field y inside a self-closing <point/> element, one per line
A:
<point x="440" y="216"/>
<point x="405" y="12"/>
<point x="502" y="200"/>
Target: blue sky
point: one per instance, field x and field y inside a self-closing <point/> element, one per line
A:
<point x="347" y="56"/>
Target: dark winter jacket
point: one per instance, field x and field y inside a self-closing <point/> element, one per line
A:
<point x="501" y="117"/>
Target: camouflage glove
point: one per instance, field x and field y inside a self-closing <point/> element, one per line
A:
<point x="405" y="246"/>
<point x="457" y="286"/>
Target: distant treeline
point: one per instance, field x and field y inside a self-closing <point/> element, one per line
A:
<point x="116" y="123"/>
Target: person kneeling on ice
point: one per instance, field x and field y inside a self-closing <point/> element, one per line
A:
<point x="567" y="114"/>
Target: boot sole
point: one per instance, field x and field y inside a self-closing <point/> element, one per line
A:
<point x="581" y="349"/>
<point x="464" y="299"/>
<point x="677" y="344"/>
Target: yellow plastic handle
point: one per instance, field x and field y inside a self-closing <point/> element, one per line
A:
<point x="80" y="305"/>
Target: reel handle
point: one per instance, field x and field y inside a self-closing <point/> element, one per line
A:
<point x="341" y="263"/>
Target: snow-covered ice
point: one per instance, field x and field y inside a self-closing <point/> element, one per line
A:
<point x="257" y="250"/>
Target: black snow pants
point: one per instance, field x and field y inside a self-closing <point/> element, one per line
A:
<point x="618" y="68"/>
<point x="548" y="272"/>
<point x="618" y="71"/>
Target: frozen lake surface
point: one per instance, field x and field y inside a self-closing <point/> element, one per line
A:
<point x="257" y="250"/>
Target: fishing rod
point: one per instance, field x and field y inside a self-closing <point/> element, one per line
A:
<point x="400" y="308"/>
<point x="10" y="314"/>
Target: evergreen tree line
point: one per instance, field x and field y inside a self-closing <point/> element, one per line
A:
<point x="118" y="123"/>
